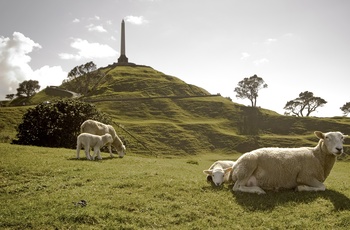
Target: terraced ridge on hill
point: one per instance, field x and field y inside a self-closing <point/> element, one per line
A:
<point x="173" y="117"/>
<point x="169" y="116"/>
<point x="141" y="81"/>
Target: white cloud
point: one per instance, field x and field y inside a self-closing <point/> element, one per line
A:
<point x="245" y="56"/>
<point x="261" y="62"/>
<point x="270" y="40"/>
<point x="136" y="20"/>
<point x="15" y="68"/>
<point x="47" y="76"/>
<point x="76" y="20"/>
<point x="94" y="18"/>
<point x="100" y="29"/>
<point x="88" y="50"/>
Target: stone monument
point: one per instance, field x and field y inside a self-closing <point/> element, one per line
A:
<point x="122" y="59"/>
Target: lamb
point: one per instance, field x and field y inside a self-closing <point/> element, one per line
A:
<point x="98" y="128"/>
<point x="95" y="141"/>
<point x="304" y="169"/>
<point x="218" y="172"/>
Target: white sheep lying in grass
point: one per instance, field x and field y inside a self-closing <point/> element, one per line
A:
<point x="98" y="128"/>
<point x="94" y="141"/>
<point x="304" y="169"/>
<point x="218" y="172"/>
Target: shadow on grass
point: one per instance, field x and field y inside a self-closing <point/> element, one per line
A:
<point x="272" y="199"/>
<point x="96" y="160"/>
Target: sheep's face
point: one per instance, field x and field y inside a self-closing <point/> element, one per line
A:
<point x="217" y="175"/>
<point x="122" y="151"/>
<point x="120" y="147"/>
<point x="333" y="141"/>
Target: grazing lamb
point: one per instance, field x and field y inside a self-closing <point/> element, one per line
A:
<point x="98" y="128"/>
<point x="94" y="141"/>
<point x="218" y="172"/>
<point x="304" y="169"/>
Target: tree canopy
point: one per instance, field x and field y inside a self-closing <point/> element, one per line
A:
<point x="305" y="103"/>
<point x="345" y="108"/>
<point x="56" y="124"/>
<point x="10" y="96"/>
<point x="249" y="88"/>
<point x="28" y="88"/>
<point x="82" y="78"/>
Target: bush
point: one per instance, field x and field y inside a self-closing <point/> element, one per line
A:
<point x="56" y="124"/>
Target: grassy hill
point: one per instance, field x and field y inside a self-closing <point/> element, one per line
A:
<point x="164" y="115"/>
<point x="40" y="187"/>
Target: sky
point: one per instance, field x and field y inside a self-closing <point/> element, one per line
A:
<point x="293" y="45"/>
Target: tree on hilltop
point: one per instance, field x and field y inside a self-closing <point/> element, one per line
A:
<point x="81" y="78"/>
<point x="28" y="88"/>
<point x="249" y="88"/>
<point x="346" y="108"/>
<point x="10" y="96"/>
<point x="306" y="102"/>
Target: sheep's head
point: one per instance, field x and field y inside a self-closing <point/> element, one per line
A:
<point x="120" y="147"/>
<point x="217" y="175"/>
<point x="122" y="151"/>
<point x="109" y="138"/>
<point x="333" y="141"/>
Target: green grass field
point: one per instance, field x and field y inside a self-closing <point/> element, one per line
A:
<point x="39" y="189"/>
<point x="162" y="186"/>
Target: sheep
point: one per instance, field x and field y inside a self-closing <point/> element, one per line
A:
<point x="95" y="141"/>
<point x="98" y="128"/>
<point x="218" y="172"/>
<point x="304" y="169"/>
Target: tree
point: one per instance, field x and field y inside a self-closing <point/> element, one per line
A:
<point x="249" y="88"/>
<point x="56" y="124"/>
<point x="305" y="102"/>
<point x="10" y="96"/>
<point x="28" y="88"/>
<point x="83" y="77"/>
<point x="345" y="108"/>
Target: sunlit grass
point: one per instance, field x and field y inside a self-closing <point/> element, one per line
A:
<point x="39" y="189"/>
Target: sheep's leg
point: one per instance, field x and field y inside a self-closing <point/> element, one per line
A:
<point x="110" y="150"/>
<point x="95" y="153"/>
<point x="314" y="185"/>
<point x="99" y="154"/>
<point x="87" y="152"/>
<point x="239" y="187"/>
<point x="78" y="150"/>
<point x="247" y="184"/>
<point x="246" y="181"/>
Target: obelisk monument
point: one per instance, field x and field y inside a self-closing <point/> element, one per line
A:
<point x="122" y="59"/>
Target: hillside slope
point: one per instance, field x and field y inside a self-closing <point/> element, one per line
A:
<point x="170" y="116"/>
<point x="162" y="114"/>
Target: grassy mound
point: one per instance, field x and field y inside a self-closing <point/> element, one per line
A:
<point x="161" y="114"/>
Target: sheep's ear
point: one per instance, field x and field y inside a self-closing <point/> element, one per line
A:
<point x="229" y="169"/>
<point x="319" y="134"/>
<point x="209" y="172"/>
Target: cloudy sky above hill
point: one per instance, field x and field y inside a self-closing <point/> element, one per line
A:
<point x="294" y="45"/>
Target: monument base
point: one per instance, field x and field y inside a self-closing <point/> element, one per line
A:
<point x="122" y="59"/>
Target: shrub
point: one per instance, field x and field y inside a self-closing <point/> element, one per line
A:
<point x="56" y="124"/>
